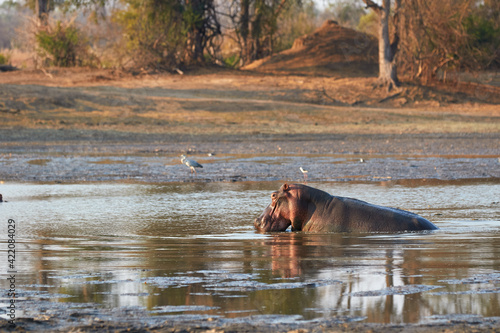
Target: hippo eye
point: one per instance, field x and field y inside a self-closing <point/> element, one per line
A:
<point x="273" y="196"/>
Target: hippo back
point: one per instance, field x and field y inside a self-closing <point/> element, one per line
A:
<point x="342" y="214"/>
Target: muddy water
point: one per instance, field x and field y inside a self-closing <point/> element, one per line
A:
<point x="190" y="250"/>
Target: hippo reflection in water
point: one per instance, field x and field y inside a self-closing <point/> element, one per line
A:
<point x="309" y="209"/>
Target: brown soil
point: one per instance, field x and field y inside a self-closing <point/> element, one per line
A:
<point x="81" y="113"/>
<point x="330" y="50"/>
<point x="109" y="321"/>
<point x="228" y="102"/>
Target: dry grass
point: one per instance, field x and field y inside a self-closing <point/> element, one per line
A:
<point x="228" y="103"/>
<point x="19" y="58"/>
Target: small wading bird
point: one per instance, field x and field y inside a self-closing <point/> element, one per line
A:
<point x="192" y="164"/>
<point x="304" y="172"/>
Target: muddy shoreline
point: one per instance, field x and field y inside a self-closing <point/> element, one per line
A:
<point x="76" y="156"/>
<point x="127" y="321"/>
<point x="54" y="140"/>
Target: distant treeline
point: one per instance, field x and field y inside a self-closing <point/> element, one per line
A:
<point x="434" y="36"/>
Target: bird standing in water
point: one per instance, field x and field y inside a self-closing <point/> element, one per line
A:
<point x="304" y="172"/>
<point x="192" y="164"/>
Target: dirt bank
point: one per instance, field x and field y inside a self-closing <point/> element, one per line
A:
<point x="131" y="320"/>
<point x="72" y="121"/>
<point x="228" y="102"/>
<point x="75" y="156"/>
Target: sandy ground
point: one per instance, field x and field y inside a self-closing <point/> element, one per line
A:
<point x="75" y="126"/>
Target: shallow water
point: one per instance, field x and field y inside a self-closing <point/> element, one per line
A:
<point x="191" y="249"/>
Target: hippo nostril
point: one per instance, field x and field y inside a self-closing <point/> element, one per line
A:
<point x="259" y="224"/>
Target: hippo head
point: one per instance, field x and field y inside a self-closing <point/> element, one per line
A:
<point x="285" y="209"/>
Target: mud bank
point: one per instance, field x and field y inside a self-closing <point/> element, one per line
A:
<point x="75" y="156"/>
<point x="134" y="319"/>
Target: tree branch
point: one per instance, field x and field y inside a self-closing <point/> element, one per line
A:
<point x="280" y="7"/>
<point x="373" y="5"/>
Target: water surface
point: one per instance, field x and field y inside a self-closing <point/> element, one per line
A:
<point x="191" y="249"/>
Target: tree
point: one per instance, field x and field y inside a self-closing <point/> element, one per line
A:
<point x="244" y="29"/>
<point x="256" y="25"/>
<point x="165" y="34"/>
<point x="41" y="8"/>
<point x="153" y="31"/>
<point x="346" y="12"/>
<point x="449" y="36"/>
<point x="387" y="49"/>
<point x="202" y="26"/>
<point x="42" y="11"/>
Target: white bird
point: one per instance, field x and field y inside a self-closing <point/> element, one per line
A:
<point x="192" y="164"/>
<point x="304" y="172"/>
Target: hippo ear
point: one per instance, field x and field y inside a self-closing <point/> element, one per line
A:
<point x="285" y="187"/>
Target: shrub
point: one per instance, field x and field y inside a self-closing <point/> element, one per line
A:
<point x="64" y="45"/>
<point x="4" y="59"/>
<point x="368" y="24"/>
<point x="154" y="32"/>
<point x="484" y="40"/>
<point x="448" y="36"/>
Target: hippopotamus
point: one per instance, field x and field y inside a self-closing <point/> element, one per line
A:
<point x="308" y="209"/>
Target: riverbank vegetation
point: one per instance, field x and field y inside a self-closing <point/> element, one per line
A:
<point x="430" y="41"/>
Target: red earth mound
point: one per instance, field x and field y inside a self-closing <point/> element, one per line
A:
<point x="330" y="50"/>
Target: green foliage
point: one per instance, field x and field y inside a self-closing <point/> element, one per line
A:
<point x="347" y="12"/>
<point x="265" y="27"/>
<point x="368" y="23"/>
<point x="481" y="30"/>
<point x="4" y="59"/>
<point x="155" y="32"/>
<point x="63" y="45"/>
<point x="192" y="17"/>
<point x="484" y="39"/>
<point x="166" y="34"/>
<point x="232" y="61"/>
<point x="296" y="20"/>
<point x="202" y="29"/>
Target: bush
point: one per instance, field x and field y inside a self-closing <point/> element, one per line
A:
<point x="63" y="45"/>
<point x="368" y="24"/>
<point x="295" y="21"/>
<point x="448" y="36"/>
<point x="232" y="60"/>
<point x="4" y="59"/>
<point x="484" y="40"/>
<point x="154" y="32"/>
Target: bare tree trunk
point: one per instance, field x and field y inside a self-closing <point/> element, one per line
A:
<point x="256" y="26"/>
<point x="42" y="11"/>
<point x="257" y="29"/>
<point x="387" y="67"/>
<point x="194" y="48"/>
<point x="386" y="50"/>
<point x="245" y="29"/>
